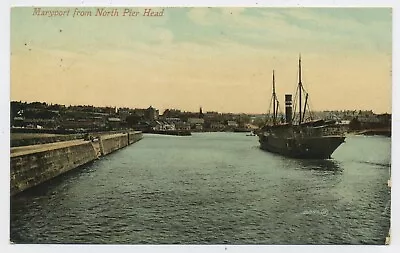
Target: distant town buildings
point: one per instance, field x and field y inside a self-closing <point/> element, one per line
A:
<point x="89" y="118"/>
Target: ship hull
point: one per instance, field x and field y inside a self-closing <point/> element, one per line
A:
<point x="304" y="148"/>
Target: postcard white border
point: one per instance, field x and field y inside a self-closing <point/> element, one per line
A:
<point x="5" y="120"/>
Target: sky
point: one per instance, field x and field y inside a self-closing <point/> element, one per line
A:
<point x="218" y="58"/>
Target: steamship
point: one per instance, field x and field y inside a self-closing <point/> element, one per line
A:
<point x="296" y="136"/>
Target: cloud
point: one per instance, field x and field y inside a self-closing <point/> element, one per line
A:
<point x="300" y="29"/>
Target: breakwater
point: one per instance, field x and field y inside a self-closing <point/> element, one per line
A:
<point x="35" y="164"/>
<point x="380" y="131"/>
<point x="42" y="136"/>
<point x="26" y="139"/>
<point x="170" y="132"/>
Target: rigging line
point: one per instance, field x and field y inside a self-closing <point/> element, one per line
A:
<point x="296" y="108"/>
<point x="309" y="106"/>
<point x="309" y="117"/>
<point x="294" y="115"/>
<point x="310" y="112"/>
<point x="303" y="89"/>
<point x="269" y="111"/>
<point x="280" y="110"/>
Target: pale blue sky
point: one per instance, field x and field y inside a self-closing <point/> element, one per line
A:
<point x="342" y="28"/>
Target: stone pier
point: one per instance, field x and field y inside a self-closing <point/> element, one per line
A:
<point x="34" y="164"/>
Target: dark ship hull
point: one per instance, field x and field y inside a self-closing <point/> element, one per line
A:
<point x="320" y="147"/>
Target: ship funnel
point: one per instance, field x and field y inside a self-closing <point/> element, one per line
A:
<point x="288" y="108"/>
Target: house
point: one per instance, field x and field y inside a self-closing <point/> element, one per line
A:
<point x="114" y="122"/>
<point x="164" y="126"/>
<point x="217" y="126"/>
<point x="251" y="126"/>
<point x="180" y="125"/>
<point x="196" y="124"/>
<point x="18" y="122"/>
<point x="197" y="127"/>
<point x="232" y="123"/>
<point x="194" y="121"/>
<point x="151" y="113"/>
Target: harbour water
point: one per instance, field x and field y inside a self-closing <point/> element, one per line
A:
<point x="213" y="188"/>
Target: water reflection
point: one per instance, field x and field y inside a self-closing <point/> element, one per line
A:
<point x="321" y="165"/>
<point x="52" y="188"/>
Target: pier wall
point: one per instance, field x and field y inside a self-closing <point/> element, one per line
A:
<point x="34" y="168"/>
<point x="33" y="165"/>
<point x="111" y="143"/>
<point x="44" y="139"/>
<point x="134" y="137"/>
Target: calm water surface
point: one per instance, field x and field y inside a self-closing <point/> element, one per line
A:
<point x="213" y="188"/>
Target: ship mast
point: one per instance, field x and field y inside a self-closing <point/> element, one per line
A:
<point x="274" y="96"/>
<point x="300" y="90"/>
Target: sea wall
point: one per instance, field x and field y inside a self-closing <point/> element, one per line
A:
<point x="31" y="169"/>
<point x="24" y="139"/>
<point x="35" y="164"/>
<point x="134" y="137"/>
<point x="110" y="143"/>
<point x="17" y="142"/>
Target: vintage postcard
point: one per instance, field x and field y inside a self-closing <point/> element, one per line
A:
<point x="200" y="125"/>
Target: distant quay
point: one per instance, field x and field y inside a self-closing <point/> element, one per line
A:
<point x="377" y="131"/>
<point x="242" y="130"/>
<point x="32" y="165"/>
<point x="170" y="132"/>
